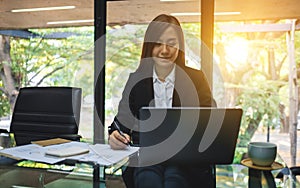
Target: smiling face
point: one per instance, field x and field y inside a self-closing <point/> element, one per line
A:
<point x="166" y="50"/>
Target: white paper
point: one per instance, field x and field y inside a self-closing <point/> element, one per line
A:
<point x="31" y="152"/>
<point x="99" y="153"/>
<point x="104" y="155"/>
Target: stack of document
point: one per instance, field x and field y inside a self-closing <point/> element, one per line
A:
<point x="98" y="153"/>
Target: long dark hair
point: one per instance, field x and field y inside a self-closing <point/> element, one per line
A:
<point x="155" y="29"/>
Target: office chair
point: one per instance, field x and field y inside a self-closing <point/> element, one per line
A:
<point x="293" y="171"/>
<point x="46" y="112"/>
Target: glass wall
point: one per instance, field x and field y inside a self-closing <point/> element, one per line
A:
<point x="250" y="68"/>
<point x="51" y="57"/>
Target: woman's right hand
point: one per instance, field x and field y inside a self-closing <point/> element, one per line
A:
<point x="117" y="141"/>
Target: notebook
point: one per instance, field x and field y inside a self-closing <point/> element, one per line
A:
<point x="188" y="136"/>
<point x="66" y="152"/>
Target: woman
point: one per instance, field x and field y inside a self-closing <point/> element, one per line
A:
<point x="161" y="80"/>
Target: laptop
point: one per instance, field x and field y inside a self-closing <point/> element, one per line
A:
<point x="188" y="135"/>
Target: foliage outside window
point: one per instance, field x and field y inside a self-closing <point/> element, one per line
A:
<point x="54" y="57"/>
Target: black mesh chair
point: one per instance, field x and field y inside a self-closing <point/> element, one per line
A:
<point x="293" y="172"/>
<point x="46" y="112"/>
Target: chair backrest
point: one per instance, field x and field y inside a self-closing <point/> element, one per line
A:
<point x="46" y="112"/>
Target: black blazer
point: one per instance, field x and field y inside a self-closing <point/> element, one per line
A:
<point x="191" y="90"/>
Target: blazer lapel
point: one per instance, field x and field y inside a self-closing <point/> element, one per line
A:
<point x="144" y="92"/>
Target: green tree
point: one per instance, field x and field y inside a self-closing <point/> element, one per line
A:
<point x="42" y="61"/>
<point x="259" y="100"/>
<point x="258" y="80"/>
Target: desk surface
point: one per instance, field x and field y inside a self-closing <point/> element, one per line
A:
<point x="48" y="176"/>
<point x="235" y="175"/>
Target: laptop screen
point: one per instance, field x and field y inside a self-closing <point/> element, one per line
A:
<point x="188" y="135"/>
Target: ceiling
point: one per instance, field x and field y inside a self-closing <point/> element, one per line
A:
<point x="139" y="11"/>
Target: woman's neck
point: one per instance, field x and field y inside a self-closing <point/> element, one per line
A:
<point x="162" y="73"/>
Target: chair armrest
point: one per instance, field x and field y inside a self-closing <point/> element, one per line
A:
<point x="3" y="131"/>
<point x="295" y="170"/>
<point x="284" y="171"/>
<point x="74" y="137"/>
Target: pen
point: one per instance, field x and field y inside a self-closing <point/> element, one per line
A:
<point x="121" y="133"/>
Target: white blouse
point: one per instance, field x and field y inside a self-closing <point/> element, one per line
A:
<point x="163" y="91"/>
